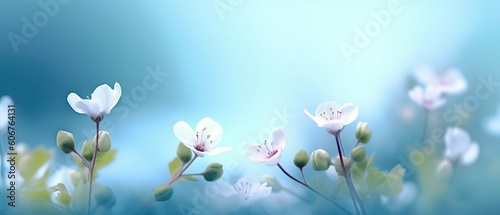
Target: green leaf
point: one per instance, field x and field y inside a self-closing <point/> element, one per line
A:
<point x="396" y="174"/>
<point x="42" y="181"/>
<point x="29" y="164"/>
<point x="38" y="194"/>
<point x="174" y="166"/>
<point x="357" y="176"/>
<point x="374" y="178"/>
<point x="370" y="161"/>
<point x="341" y="189"/>
<point x="104" y="159"/>
<point x="189" y="178"/>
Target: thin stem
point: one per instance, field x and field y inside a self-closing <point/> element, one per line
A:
<point x="352" y="190"/>
<point x="312" y="189"/>
<point x="172" y="180"/>
<point x="303" y="176"/>
<point x="426" y="122"/>
<point x="84" y="162"/>
<point x="92" y="165"/>
<point x="187" y="175"/>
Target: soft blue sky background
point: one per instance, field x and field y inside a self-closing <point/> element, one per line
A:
<point x="262" y="57"/>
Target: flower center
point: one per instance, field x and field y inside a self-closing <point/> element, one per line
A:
<point x="332" y="115"/>
<point x="244" y="189"/>
<point x="201" y="140"/>
<point x="267" y="151"/>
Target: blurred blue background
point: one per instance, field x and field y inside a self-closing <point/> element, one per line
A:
<point x="246" y="67"/>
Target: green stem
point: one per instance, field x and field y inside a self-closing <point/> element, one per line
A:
<point x="312" y="189"/>
<point x="303" y="176"/>
<point x="84" y="162"/>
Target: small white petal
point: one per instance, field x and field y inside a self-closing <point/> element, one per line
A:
<point x="185" y="134"/>
<point x="349" y="113"/>
<point x="89" y="107"/>
<point x="255" y="154"/>
<point x="326" y="107"/>
<point x="218" y="150"/>
<point x="317" y="120"/>
<point x="471" y="155"/>
<point x="117" y="92"/>
<point x="275" y="159"/>
<point x="417" y="94"/>
<point x="73" y="98"/>
<point x="279" y="138"/>
<point x="103" y="95"/>
<point x="5" y="101"/>
<point x="225" y="189"/>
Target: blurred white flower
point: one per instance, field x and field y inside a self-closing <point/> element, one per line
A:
<point x="492" y="124"/>
<point x="245" y="191"/>
<point x="269" y="154"/>
<point x="459" y="147"/>
<point x="333" y="117"/>
<point x="444" y="169"/>
<point x="429" y="98"/>
<point x="403" y="199"/>
<point x="102" y="100"/>
<point x="5" y="101"/>
<point x="204" y="139"/>
<point x="450" y="81"/>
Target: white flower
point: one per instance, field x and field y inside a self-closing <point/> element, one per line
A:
<point x="492" y="124"/>
<point x="269" y="154"/>
<point x="404" y="199"/>
<point x="244" y="192"/>
<point x="102" y="100"/>
<point x="204" y="139"/>
<point x="459" y="147"/>
<point x="333" y="117"/>
<point x="451" y="81"/>
<point x="429" y="98"/>
<point x="5" y="101"/>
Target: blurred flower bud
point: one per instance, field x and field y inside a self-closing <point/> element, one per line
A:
<point x="444" y="169"/>
<point x="104" y="196"/>
<point x="272" y="182"/>
<point x="213" y="172"/>
<point x="363" y="132"/>
<point x="163" y="192"/>
<point x="301" y="159"/>
<point x="104" y="143"/>
<point x="320" y="160"/>
<point x="184" y="153"/>
<point x="65" y="141"/>
<point x="88" y="150"/>
<point x="76" y="176"/>
<point x="358" y="154"/>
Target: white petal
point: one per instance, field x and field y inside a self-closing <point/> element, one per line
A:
<point x="279" y="138"/>
<point x="89" y="107"/>
<point x="417" y="95"/>
<point x="457" y="141"/>
<point x="275" y="159"/>
<point x="254" y="155"/>
<point x="5" y="101"/>
<point x="225" y="189"/>
<point x="317" y="120"/>
<point x="326" y="107"/>
<point x="117" y="92"/>
<point x="261" y="191"/>
<point x="425" y="75"/>
<point x="104" y="96"/>
<point x="218" y="150"/>
<point x="471" y="155"/>
<point x="332" y="126"/>
<point x="72" y="100"/>
<point x="185" y="134"/>
<point x="453" y="82"/>
<point x="349" y="113"/>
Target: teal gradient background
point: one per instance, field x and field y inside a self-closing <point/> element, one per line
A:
<point x="262" y="60"/>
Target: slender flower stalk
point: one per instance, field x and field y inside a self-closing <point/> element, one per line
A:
<point x="312" y="189"/>
<point x="356" y="199"/>
<point x="92" y="164"/>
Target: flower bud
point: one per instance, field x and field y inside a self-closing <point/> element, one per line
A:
<point x="271" y="182"/>
<point x="338" y="164"/>
<point x="64" y="198"/>
<point x="184" y="153"/>
<point x="104" y="143"/>
<point x="301" y="159"/>
<point x="76" y="176"/>
<point x="88" y="150"/>
<point x="163" y="192"/>
<point x="104" y="196"/>
<point x="213" y="172"/>
<point x="363" y="132"/>
<point x="444" y="169"/>
<point x="65" y="141"/>
<point x="358" y="153"/>
<point x="320" y="160"/>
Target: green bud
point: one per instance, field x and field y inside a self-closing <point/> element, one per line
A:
<point x="65" y="142"/>
<point x="65" y="198"/>
<point x="88" y="150"/>
<point x="320" y="160"/>
<point x="272" y="182"/>
<point x="76" y="176"/>
<point x="338" y="164"/>
<point x="358" y="153"/>
<point x="363" y="132"/>
<point x="301" y="159"/>
<point x="104" y="141"/>
<point x="163" y="192"/>
<point x="213" y="172"/>
<point x="184" y="153"/>
<point x="104" y="196"/>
